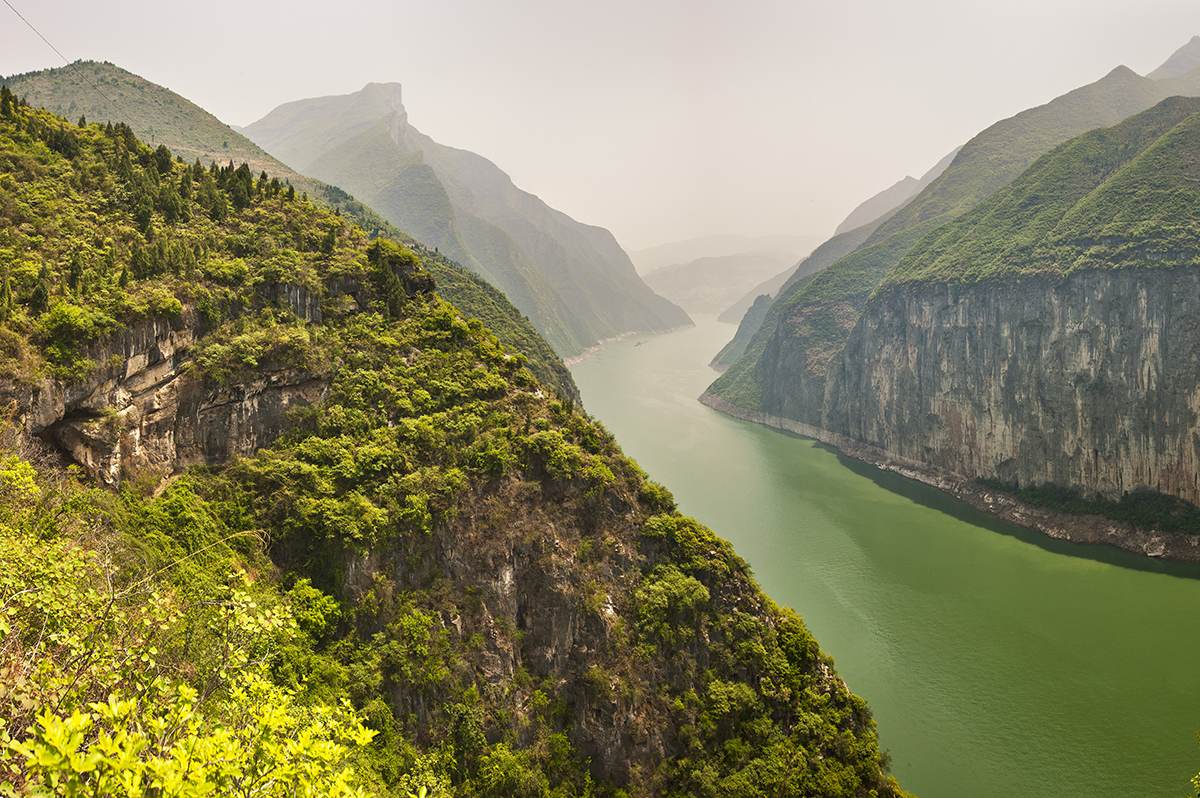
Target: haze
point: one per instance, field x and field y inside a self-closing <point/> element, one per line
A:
<point x="660" y="121"/>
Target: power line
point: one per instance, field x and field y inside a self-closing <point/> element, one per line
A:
<point x="121" y="111"/>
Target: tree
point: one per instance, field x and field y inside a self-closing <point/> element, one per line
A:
<point x="6" y="299"/>
<point x="162" y="159"/>
<point x="75" y="273"/>
<point x="39" y="300"/>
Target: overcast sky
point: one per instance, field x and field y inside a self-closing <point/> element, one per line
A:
<point x="658" y="119"/>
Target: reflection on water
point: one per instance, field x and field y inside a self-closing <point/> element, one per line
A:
<point x="997" y="661"/>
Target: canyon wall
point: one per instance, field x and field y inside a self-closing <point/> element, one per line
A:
<point x="1091" y="381"/>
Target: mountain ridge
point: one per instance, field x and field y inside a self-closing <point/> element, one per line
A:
<point x="574" y="282"/>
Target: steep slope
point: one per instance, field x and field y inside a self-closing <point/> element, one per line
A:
<point x="1185" y="59"/>
<point x="403" y="566"/>
<point x="104" y="92"/>
<point x="840" y="245"/>
<point x="872" y="208"/>
<point x="739" y="384"/>
<point x="895" y="197"/>
<point x="752" y="319"/>
<point x="1049" y="335"/>
<point x="786" y="364"/>
<point x="572" y="280"/>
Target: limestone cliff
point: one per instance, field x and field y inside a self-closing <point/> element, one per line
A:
<point x="1047" y="337"/>
<point x="147" y="411"/>
<point x="1091" y="382"/>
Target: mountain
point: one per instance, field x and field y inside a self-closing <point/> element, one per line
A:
<point x="783" y="372"/>
<point x="710" y="285"/>
<point x="850" y="234"/>
<point x="1047" y="338"/>
<point x="574" y="281"/>
<point x="879" y="204"/>
<point x="1182" y="61"/>
<point x="717" y="245"/>
<point x="895" y="196"/>
<point x="106" y="93"/>
<point x="267" y="496"/>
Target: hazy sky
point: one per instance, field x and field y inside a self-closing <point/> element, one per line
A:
<point x="658" y="119"/>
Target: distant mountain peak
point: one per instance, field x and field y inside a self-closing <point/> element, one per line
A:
<point x="390" y="95"/>
<point x="1182" y="60"/>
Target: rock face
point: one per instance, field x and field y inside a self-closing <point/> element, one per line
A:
<point x="146" y="410"/>
<point x="1039" y="382"/>
<point x="531" y="613"/>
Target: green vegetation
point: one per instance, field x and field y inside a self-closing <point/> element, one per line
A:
<point x="819" y="324"/>
<point x="105" y="93"/>
<point x="1145" y="509"/>
<point x="1117" y="197"/>
<point x="194" y="134"/>
<point x="374" y="604"/>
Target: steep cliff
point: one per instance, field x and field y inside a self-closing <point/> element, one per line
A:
<point x="1091" y="382"/>
<point x="1049" y="336"/>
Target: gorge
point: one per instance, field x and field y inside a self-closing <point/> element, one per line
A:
<point x="997" y="661"/>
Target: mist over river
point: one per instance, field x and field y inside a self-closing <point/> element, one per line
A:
<point x="997" y="662"/>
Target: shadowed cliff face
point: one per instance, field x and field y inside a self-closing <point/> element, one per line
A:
<point x="1035" y="382"/>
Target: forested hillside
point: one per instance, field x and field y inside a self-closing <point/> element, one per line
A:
<point x="275" y="518"/>
<point x="104" y="92"/>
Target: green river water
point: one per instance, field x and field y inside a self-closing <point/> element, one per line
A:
<point x="997" y="662"/>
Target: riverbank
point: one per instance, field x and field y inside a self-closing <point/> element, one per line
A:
<point x="1084" y="529"/>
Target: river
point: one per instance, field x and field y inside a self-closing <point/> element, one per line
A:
<point x="997" y="662"/>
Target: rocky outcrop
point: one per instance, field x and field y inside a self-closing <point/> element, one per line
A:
<point x="1091" y="382"/>
<point x="146" y="410"/>
<point x="535" y="612"/>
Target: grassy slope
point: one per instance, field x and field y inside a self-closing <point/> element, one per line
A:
<point x="179" y="123"/>
<point x="1114" y="197"/>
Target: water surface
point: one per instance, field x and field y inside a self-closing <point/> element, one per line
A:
<point x="997" y="662"/>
